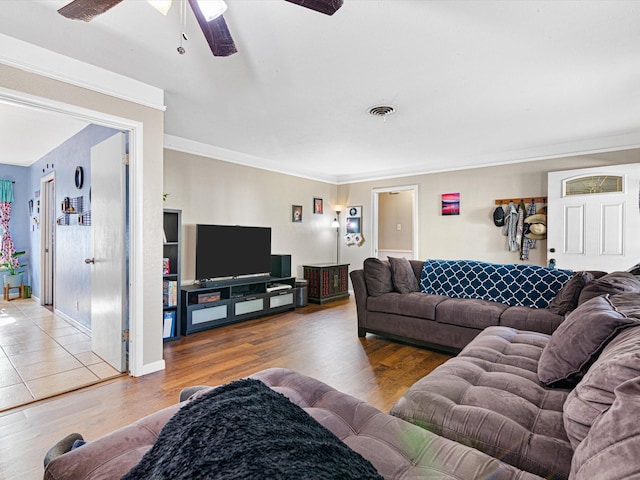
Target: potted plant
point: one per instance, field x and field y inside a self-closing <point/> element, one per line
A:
<point x="13" y="269"/>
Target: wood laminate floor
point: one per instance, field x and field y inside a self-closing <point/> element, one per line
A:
<point x="320" y="341"/>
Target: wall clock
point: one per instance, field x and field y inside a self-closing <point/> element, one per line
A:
<point x="79" y="177"/>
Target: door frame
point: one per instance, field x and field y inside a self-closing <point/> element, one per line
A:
<point x="374" y="216"/>
<point x="45" y="210"/>
<point x="136" y="227"/>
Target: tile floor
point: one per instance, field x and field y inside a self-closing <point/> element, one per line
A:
<point x="42" y="355"/>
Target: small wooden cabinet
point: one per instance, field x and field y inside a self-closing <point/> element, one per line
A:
<point x="327" y="282"/>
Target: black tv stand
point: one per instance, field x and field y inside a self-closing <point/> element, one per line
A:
<point x="221" y="302"/>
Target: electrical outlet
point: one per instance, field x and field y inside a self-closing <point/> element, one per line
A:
<point x="399" y="227"/>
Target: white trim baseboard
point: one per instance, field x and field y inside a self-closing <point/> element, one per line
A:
<point x="75" y="323"/>
<point x="153" y="367"/>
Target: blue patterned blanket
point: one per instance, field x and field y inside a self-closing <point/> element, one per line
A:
<point x="512" y="284"/>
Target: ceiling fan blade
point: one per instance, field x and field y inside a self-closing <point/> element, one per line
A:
<point x="216" y="32"/>
<point x="328" y="7"/>
<point x="86" y="10"/>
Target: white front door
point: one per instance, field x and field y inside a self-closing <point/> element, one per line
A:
<point x="594" y="218"/>
<point x="109" y="242"/>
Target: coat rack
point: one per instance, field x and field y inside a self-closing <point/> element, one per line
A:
<point x="505" y="201"/>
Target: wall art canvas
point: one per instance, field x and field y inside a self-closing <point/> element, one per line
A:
<point x="451" y="204"/>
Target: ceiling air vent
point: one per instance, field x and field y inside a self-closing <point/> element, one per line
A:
<point x="381" y="110"/>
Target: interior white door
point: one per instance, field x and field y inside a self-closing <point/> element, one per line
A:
<point x="594" y="218"/>
<point x="48" y="237"/>
<point x="108" y="261"/>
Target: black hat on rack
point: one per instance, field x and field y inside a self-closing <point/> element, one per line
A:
<point x="498" y="216"/>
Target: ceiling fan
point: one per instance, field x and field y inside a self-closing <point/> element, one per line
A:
<point x="207" y="12"/>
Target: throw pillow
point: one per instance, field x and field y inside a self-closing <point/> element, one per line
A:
<point x="618" y="362"/>
<point x="377" y="276"/>
<point x="613" y="283"/>
<point x="403" y="276"/>
<point x="635" y="270"/>
<point x="579" y="339"/>
<point x="611" y="449"/>
<point x="567" y="298"/>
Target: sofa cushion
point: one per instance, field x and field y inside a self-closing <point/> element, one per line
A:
<point x="404" y="280"/>
<point x="469" y="312"/>
<point x="517" y="285"/>
<point x="567" y="298"/>
<point x="377" y="275"/>
<point x="618" y="362"/>
<point x="536" y="319"/>
<point x="112" y="455"/>
<point x="610" y="450"/>
<point x="398" y="449"/>
<point x="579" y="339"/>
<point x="414" y="304"/>
<point x="612" y="283"/>
<point x="489" y="398"/>
<point x="245" y="429"/>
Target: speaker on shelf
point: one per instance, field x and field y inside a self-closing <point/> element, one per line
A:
<point x="280" y="266"/>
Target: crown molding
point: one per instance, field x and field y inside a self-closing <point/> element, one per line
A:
<point x="184" y="145"/>
<point x="613" y="143"/>
<point x="32" y="58"/>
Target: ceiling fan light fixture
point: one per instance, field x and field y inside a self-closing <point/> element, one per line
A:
<point x="162" y="6"/>
<point x="212" y="9"/>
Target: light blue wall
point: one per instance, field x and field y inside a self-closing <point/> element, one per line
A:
<point x="73" y="242"/>
<point x="19" y="223"/>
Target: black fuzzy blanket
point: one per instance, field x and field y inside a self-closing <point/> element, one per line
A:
<point x="246" y="430"/>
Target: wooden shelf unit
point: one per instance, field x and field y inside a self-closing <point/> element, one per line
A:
<point x="171" y="311"/>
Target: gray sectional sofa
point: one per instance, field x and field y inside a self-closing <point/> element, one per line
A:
<point x="398" y="310"/>
<point x="513" y="404"/>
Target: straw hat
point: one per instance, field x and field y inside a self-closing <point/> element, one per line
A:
<point x="537" y="227"/>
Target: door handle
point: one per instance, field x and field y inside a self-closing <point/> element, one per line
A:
<point x="89" y="261"/>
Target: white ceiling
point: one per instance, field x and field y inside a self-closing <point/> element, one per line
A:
<point x="473" y="82"/>
<point x="27" y="135"/>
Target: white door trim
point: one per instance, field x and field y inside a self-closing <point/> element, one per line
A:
<point x="136" y="249"/>
<point x="374" y="216"/>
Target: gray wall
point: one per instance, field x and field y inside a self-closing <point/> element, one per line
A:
<point x="215" y="192"/>
<point x="472" y="234"/>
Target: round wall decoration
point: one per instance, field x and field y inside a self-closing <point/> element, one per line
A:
<point x="79" y="177"/>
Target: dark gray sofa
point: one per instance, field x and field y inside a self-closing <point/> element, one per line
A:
<point x="438" y="321"/>
<point x="513" y="404"/>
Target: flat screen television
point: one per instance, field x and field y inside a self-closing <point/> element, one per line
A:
<point x="230" y="251"/>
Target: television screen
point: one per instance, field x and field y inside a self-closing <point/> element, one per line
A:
<point x="224" y="251"/>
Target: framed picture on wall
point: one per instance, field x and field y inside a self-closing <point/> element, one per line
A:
<point x="317" y="206"/>
<point x="450" y="204"/>
<point x="354" y="215"/>
<point x="296" y="213"/>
